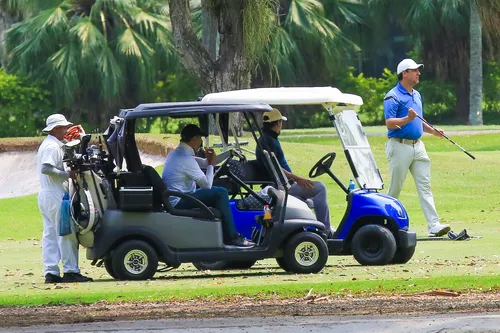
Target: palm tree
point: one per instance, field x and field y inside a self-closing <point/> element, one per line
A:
<point x="308" y="42"/>
<point x="443" y="30"/>
<point x="97" y="54"/>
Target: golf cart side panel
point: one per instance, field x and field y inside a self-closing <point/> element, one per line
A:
<point x="363" y="205"/>
<point x="297" y="209"/>
<point x="175" y="231"/>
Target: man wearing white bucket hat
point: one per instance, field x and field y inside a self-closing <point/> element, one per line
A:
<point x="54" y="183"/>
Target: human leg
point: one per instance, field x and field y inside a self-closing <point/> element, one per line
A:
<point x="421" y="171"/>
<point x="218" y="198"/>
<point x="319" y="195"/>
<point x="400" y="157"/>
<point x="50" y="249"/>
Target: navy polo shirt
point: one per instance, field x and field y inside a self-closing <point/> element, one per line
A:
<point x="392" y="109"/>
<point x="269" y="140"/>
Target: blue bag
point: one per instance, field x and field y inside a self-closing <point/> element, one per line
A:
<point x="65" y="222"/>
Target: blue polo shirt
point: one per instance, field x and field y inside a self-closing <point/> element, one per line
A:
<point x="392" y="109"/>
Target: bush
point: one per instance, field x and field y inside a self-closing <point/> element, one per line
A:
<point x="24" y="106"/>
<point x="439" y="98"/>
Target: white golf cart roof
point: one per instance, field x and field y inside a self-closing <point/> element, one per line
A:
<point x="340" y="106"/>
<point x="329" y="97"/>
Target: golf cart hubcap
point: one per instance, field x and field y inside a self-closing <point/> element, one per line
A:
<point x="135" y="262"/>
<point x="306" y="253"/>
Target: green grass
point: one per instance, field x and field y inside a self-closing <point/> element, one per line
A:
<point x="467" y="195"/>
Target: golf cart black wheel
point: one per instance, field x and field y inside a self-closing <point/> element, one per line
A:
<point x="108" y="265"/>
<point x="322" y="165"/>
<point x="373" y="244"/>
<point x="281" y="262"/>
<point x="402" y="256"/>
<point x="211" y="265"/>
<point x="305" y="252"/>
<point x="241" y="264"/>
<point x="134" y="260"/>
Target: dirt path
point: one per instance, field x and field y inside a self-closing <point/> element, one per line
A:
<point x="425" y="303"/>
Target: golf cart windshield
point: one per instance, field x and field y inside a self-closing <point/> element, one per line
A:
<point x="357" y="150"/>
<point x="341" y="108"/>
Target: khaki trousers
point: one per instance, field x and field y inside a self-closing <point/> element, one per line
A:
<point x="413" y="157"/>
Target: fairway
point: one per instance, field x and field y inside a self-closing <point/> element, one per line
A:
<point x="467" y="196"/>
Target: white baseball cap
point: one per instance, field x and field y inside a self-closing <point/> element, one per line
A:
<point x="274" y="115"/>
<point x="408" y="64"/>
<point x="55" y="120"/>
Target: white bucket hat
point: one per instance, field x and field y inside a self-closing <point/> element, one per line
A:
<point x="54" y="121"/>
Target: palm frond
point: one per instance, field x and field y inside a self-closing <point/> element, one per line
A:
<point x="65" y="71"/>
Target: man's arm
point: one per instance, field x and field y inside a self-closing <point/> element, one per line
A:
<point x="430" y="130"/>
<point x="207" y="179"/>
<point x="391" y="111"/>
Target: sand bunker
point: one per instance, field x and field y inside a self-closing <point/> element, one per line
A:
<point x="18" y="172"/>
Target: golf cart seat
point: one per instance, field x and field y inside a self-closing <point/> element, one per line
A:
<point x="161" y="198"/>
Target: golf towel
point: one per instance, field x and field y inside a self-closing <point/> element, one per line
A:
<point x="65" y="222"/>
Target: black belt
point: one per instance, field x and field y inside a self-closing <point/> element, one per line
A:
<point x="405" y="141"/>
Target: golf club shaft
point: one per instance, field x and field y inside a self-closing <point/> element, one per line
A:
<point x="441" y="133"/>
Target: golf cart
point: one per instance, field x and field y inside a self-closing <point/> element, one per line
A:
<point x="375" y="226"/>
<point x="124" y="218"/>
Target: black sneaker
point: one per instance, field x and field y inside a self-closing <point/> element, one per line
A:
<point x="75" y="277"/>
<point x="52" y="278"/>
<point x="241" y="242"/>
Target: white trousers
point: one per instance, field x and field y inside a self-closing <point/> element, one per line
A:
<point x="403" y="157"/>
<point x="56" y="248"/>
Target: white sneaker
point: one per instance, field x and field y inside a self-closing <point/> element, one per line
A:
<point x="439" y="230"/>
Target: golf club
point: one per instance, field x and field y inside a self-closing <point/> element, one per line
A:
<point x="425" y="121"/>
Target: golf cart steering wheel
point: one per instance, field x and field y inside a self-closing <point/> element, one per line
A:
<point x="232" y="154"/>
<point x="322" y="165"/>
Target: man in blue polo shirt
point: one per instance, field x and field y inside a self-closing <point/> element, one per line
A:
<point x="404" y="149"/>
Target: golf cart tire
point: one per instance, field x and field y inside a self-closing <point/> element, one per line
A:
<point x="108" y="265"/>
<point x="211" y="265"/>
<point x="373" y="244"/>
<point x="281" y="262"/>
<point x="134" y="260"/>
<point x="402" y="256"/>
<point x="305" y="252"/>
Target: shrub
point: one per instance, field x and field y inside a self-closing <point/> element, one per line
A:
<point x="24" y="106"/>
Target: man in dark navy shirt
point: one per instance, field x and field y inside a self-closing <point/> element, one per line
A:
<point x="302" y="188"/>
<point x="404" y="149"/>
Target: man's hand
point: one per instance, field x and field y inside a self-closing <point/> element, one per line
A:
<point x="411" y="114"/>
<point x="211" y="156"/>
<point x="72" y="174"/>
<point x="305" y="183"/>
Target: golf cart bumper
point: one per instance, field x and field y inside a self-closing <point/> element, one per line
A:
<point x="407" y="238"/>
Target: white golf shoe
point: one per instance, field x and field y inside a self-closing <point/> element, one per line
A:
<point x="439" y="230"/>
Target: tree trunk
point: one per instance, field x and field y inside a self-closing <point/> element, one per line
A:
<point x="476" y="67"/>
<point x="230" y="70"/>
<point x="5" y="22"/>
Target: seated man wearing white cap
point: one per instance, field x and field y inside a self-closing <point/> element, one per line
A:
<point x="302" y="188"/>
<point x="404" y="149"/>
<point x="54" y="183"/>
